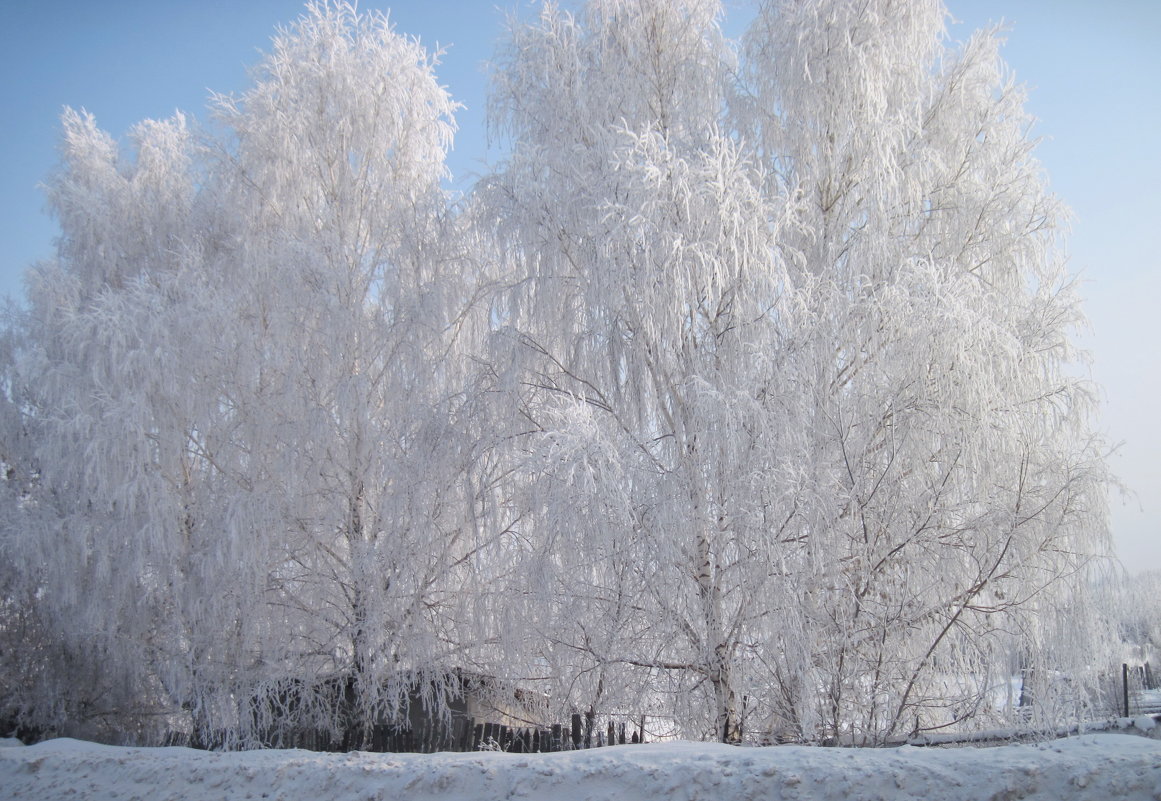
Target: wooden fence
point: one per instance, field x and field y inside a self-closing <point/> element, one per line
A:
<point x="1139" y="691"/>
<point x="580" y="734"/>
<point x="466" y="734"/>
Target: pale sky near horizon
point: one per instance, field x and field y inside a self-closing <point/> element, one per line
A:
<point x="1093" y="72"/>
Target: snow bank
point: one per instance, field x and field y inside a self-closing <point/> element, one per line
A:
<point x="1145" y="722"/>
<point x="1093" y="766"/>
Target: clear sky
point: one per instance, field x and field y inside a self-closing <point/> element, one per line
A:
<point x="1093" y="71"/>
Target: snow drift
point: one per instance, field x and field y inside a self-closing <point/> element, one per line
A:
<point x="1091" y="766"/>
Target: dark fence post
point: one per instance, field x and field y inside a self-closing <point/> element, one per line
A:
<point x="1125" y="686"/>
<point x="576" y="730"/>
<point x="742" y="722"/>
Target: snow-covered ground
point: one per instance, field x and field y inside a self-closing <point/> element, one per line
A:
<point x="1095" y="766"/>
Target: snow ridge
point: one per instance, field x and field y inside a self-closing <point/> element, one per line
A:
<point x="1091" y="766"/>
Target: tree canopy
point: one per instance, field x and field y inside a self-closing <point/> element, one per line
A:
<point x="741" y="393"/>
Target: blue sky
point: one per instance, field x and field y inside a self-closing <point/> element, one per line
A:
<point x="1093" y="72"/>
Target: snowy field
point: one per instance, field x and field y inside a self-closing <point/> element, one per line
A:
<point x="1095" y="766"/>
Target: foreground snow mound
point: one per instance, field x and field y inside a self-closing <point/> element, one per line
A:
<point x="1094" y="766"/>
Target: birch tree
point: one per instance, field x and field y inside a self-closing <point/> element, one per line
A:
<point x="957" y="486"/>
<point x="118" y="535"/>
<point x="245" y="373"/>
<point x="647" y="329"/>
<point x="357" y="301"/>
<point x="820" y="364"/>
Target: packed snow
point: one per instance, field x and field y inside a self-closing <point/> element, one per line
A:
<point x="1105" y="766"/>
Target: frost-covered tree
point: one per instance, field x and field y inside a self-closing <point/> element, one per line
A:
<point x="1136" y="600"/>
<point x="956" y="486"/>
<point x="354" y="321"/>
<point x="244" y="380"/>
<point x="648" y="330"/>
<point x="740" y="393"/>
<point x="118" y="536"/>
<point x="801" y="426"/>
